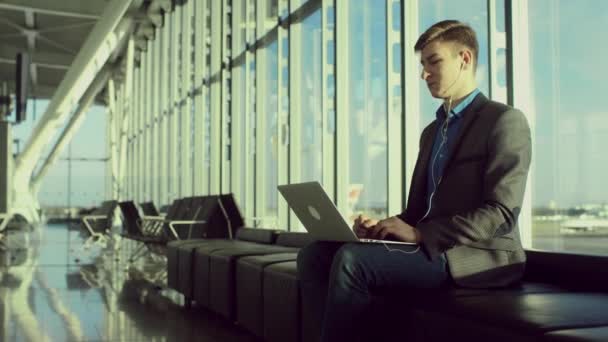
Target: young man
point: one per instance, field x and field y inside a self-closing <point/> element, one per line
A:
<point x="464" y="201"/>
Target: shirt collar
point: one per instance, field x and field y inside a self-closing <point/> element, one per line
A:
<point x="457" y="111"/>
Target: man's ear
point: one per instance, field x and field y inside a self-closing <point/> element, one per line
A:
<point x="467" y="58"/>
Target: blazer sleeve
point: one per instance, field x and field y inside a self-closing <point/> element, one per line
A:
<point x="509" y="154"/>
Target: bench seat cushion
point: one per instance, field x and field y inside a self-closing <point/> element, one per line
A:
<point x="222" y="265"/>
<point x="282" y="318"/>
<point x="249" y="289"/>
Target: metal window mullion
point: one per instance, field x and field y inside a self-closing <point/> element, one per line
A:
<point x="520" y="96"/>
<point x="260" y="133"/>
<point x="328" y="105"/>
<point x="131" y="142"/>
<point x="199" y="99"/>
<point x="250" y="117"/>
<point x="151" y="112"/>
<point x="168" y="107"/>
<point x="226" y="98"/>
<point x="295" y="111"/>
<point x="174" y="109"/>
<point x="125" y="120"/>
<point x="410" y="92"/>
<point x="142" y="127"/>
<point x="216" y="97"/>
<point x="157" y="112"/>
<point x="149" y="169"/>
<point x="143" y="131"/>
<point x="119" y="134"/>
<point x="249" y="123"/>
<point x="282" y="123"/>
<point x="187" y="103"/>
<point x="114" y="116"/>
<point x="108" y="163"/>
<point x="161" y="112"/>
<point x="342" y="105"/>
<point x="207" y="99"/>
<point x="110" y="115"/>
<point x="394" y="124"/>
<point x="237" y="98"/>
<point x="140" y="134"/>
<point x="135" y="137"/>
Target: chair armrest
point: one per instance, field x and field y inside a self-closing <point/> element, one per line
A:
<point x="4" y="218"/>
<point x="183" y="222"/>
<point x="85" y="220"/>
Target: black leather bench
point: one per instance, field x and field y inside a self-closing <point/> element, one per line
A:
<point x="253" y="281"/>
<point x="571" y="306"/>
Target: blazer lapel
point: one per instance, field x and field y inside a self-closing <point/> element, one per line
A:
<point x="427" y="148"/>
<point x="469" y="116"/>
<point x="416" y="199"/>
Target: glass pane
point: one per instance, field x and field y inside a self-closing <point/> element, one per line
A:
<point x="472" y="12"/>
<point x="238" y="75"/>
<point x="295" y="4"/>
<point x="207" y="101"/>
<point x="570" y="162"/>
<point x="73" y="181"/>
<point x="251" y="143"/>
<point x="311" y="115"/>
<point x="251" y="21"/>
<point x="240" y="26"/>
<point x="367" y="190"/>
<point x="270" y="167"/>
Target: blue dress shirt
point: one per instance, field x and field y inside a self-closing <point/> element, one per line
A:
<point x="443" y="140"/>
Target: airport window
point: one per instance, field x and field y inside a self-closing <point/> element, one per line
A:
<point x="568" y="76"/>
<point x="267" y="162"/>
<point x="367" y="109"/>
<point x="306" y="123"/>
<point x="239" y="109"/>
<point x="310" y="84"/>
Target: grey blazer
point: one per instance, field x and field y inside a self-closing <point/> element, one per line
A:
<point x="476" y="205"/>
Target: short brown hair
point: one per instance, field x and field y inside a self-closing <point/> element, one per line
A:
<point x="450" y="31"/>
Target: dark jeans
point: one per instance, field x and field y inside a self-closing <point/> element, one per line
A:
<point x="340" y="280"/>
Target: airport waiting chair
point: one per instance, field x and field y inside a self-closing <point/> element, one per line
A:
<point x="98" y="224"/>
<point x="149" y="209"/>
<point x="154" y="232"/>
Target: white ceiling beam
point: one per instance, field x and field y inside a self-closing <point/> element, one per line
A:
<point x="92" y="10"/>
<point x="30" y="23"/>
<point x="42" y="65"/>
<point x="49" y="59"/>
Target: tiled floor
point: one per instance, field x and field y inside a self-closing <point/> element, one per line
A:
<point x="51" y="290"/>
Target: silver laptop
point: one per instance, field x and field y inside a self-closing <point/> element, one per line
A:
<point x="320" y="216"/>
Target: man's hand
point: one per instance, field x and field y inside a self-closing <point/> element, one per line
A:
<point x="395" y="228"/>
<point x="363" y="225"/>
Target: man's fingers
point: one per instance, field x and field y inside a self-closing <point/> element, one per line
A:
<point x="368" y="223"/>
<point x="383" y="233"/>
<point x="376" y="229"/>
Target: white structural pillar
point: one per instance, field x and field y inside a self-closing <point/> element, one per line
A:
<point x="126" y="118"/>
<point x="71" y="128"/>
<point x="93" y="55"/>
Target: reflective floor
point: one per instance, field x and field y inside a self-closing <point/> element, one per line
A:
<point x="53" y="290"/>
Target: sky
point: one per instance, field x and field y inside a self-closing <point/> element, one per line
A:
<point x="87" y="178"/>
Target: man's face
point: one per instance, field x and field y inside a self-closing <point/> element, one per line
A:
<point x="441" y="68"/>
